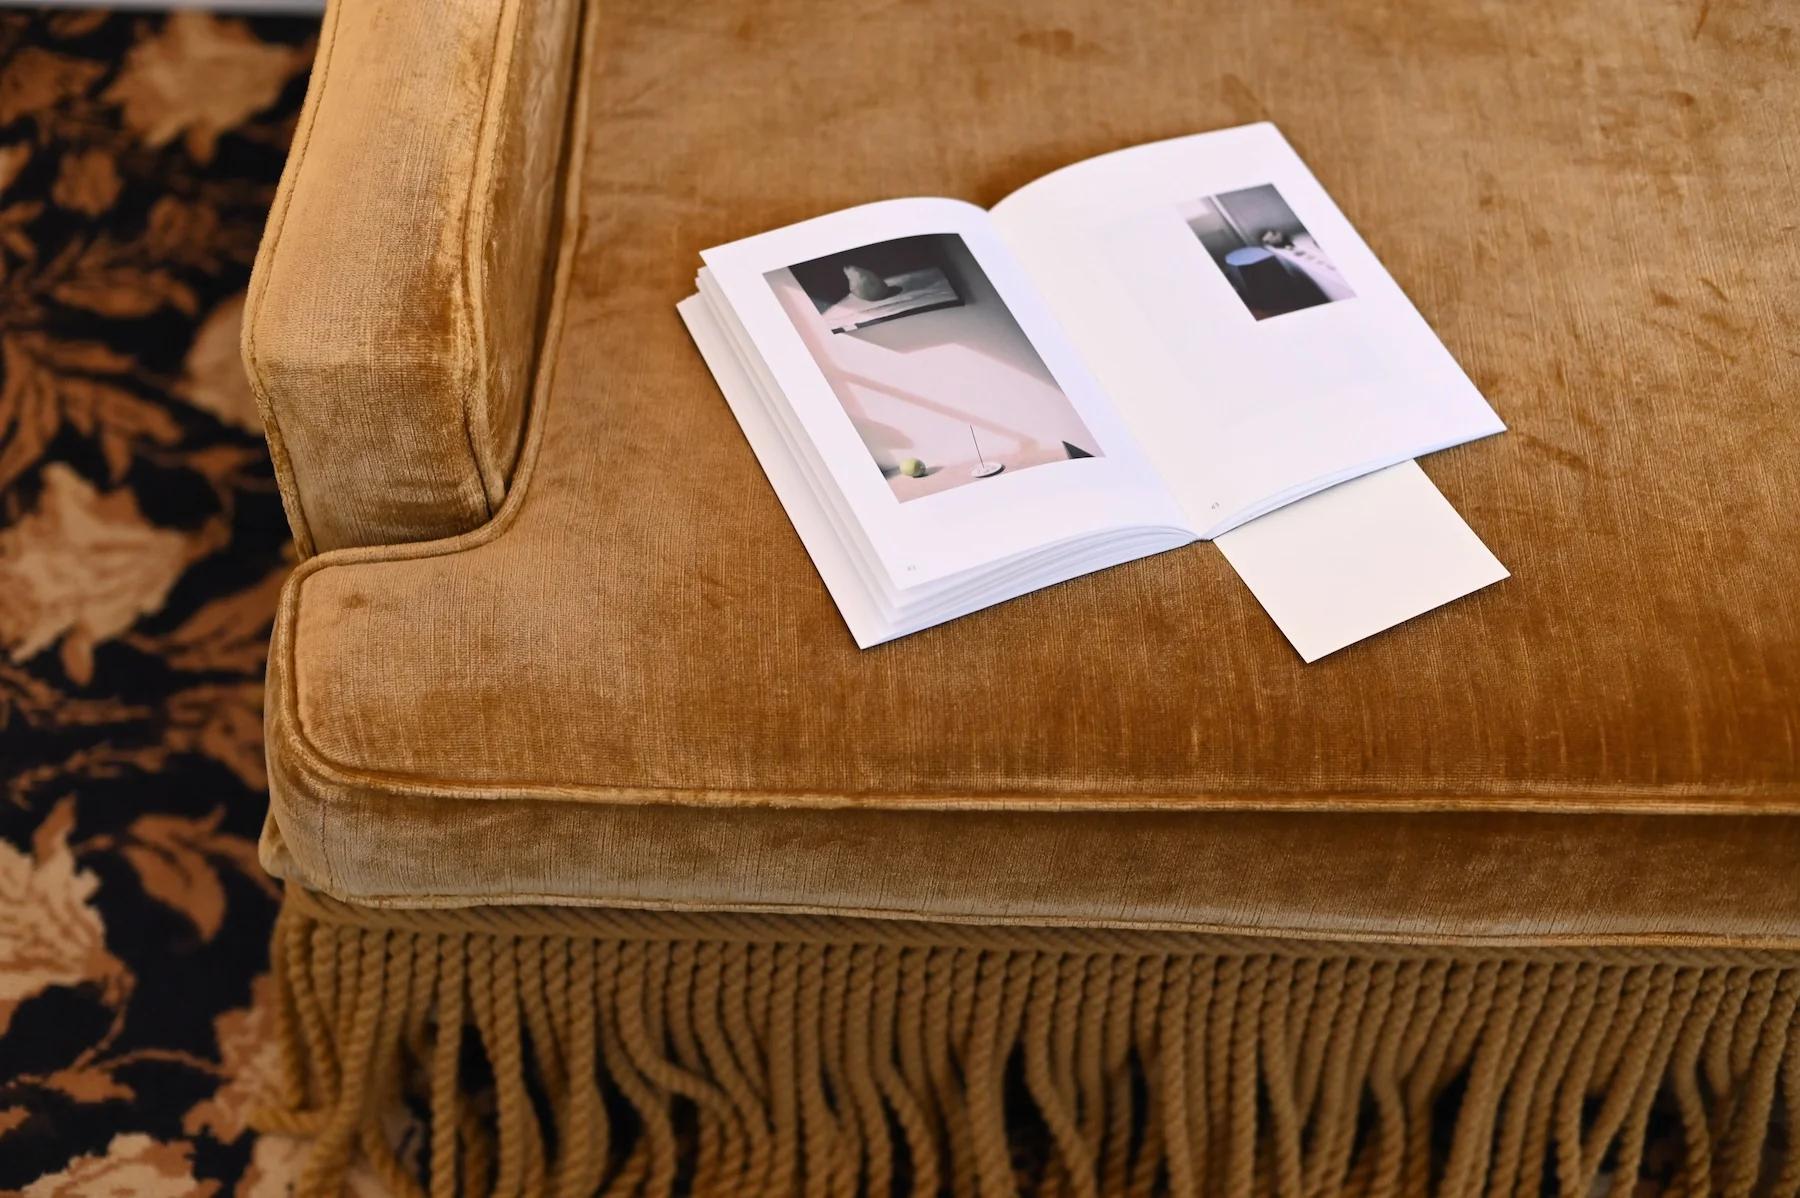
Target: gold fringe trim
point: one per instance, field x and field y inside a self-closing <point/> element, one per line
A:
<point x="575" y="1052"/>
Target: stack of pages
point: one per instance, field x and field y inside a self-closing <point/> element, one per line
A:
<point x="957" y="406"/>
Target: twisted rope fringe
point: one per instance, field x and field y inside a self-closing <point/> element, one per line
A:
<point x="573" y="1053"/>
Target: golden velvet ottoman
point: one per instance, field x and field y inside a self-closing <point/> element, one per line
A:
<point x="610" y="855"/>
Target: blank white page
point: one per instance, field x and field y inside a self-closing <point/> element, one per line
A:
<point x="1365" y="555"/>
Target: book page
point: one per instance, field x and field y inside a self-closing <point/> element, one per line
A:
<point x="934" y="389"/>
<point x="1347" y="563"/>
<point x="1245" y="332"/>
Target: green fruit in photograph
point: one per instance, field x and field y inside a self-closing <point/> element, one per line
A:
<point x="913" y="468"/>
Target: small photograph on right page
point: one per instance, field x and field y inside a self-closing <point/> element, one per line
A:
<point x="1270" y="259"/>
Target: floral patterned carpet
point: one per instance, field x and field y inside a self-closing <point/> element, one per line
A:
<point x="141" y="546"/>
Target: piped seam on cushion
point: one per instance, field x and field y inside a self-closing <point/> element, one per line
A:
<point x="1581" y="800"/>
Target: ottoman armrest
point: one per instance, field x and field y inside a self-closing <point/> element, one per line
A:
<point x="394" y="314"/>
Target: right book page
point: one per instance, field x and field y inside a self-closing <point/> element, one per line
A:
<point x="1243" y="331"/>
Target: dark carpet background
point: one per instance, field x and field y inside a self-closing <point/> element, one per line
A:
<point x="141" y="546"/>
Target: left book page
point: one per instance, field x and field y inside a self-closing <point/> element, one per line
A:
<point x="915" y="405"/>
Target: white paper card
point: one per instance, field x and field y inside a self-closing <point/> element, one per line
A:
<point x="1365" y="555"/>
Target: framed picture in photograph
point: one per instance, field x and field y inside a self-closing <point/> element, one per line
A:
<point x="876" y="283"/>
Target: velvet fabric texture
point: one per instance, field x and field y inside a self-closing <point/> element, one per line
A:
<point x="629" y="687"/>
<point x="392" y="328"/>
<point x="1476" y="904"/>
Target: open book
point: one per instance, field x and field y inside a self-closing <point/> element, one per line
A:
<point x="958" y="406"/>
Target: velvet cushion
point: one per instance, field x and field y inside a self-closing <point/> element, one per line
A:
<point x="393" y="321"/>
<point x="630" y="686"/>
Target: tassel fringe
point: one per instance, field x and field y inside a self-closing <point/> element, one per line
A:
<point x="575" y="1052"/>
